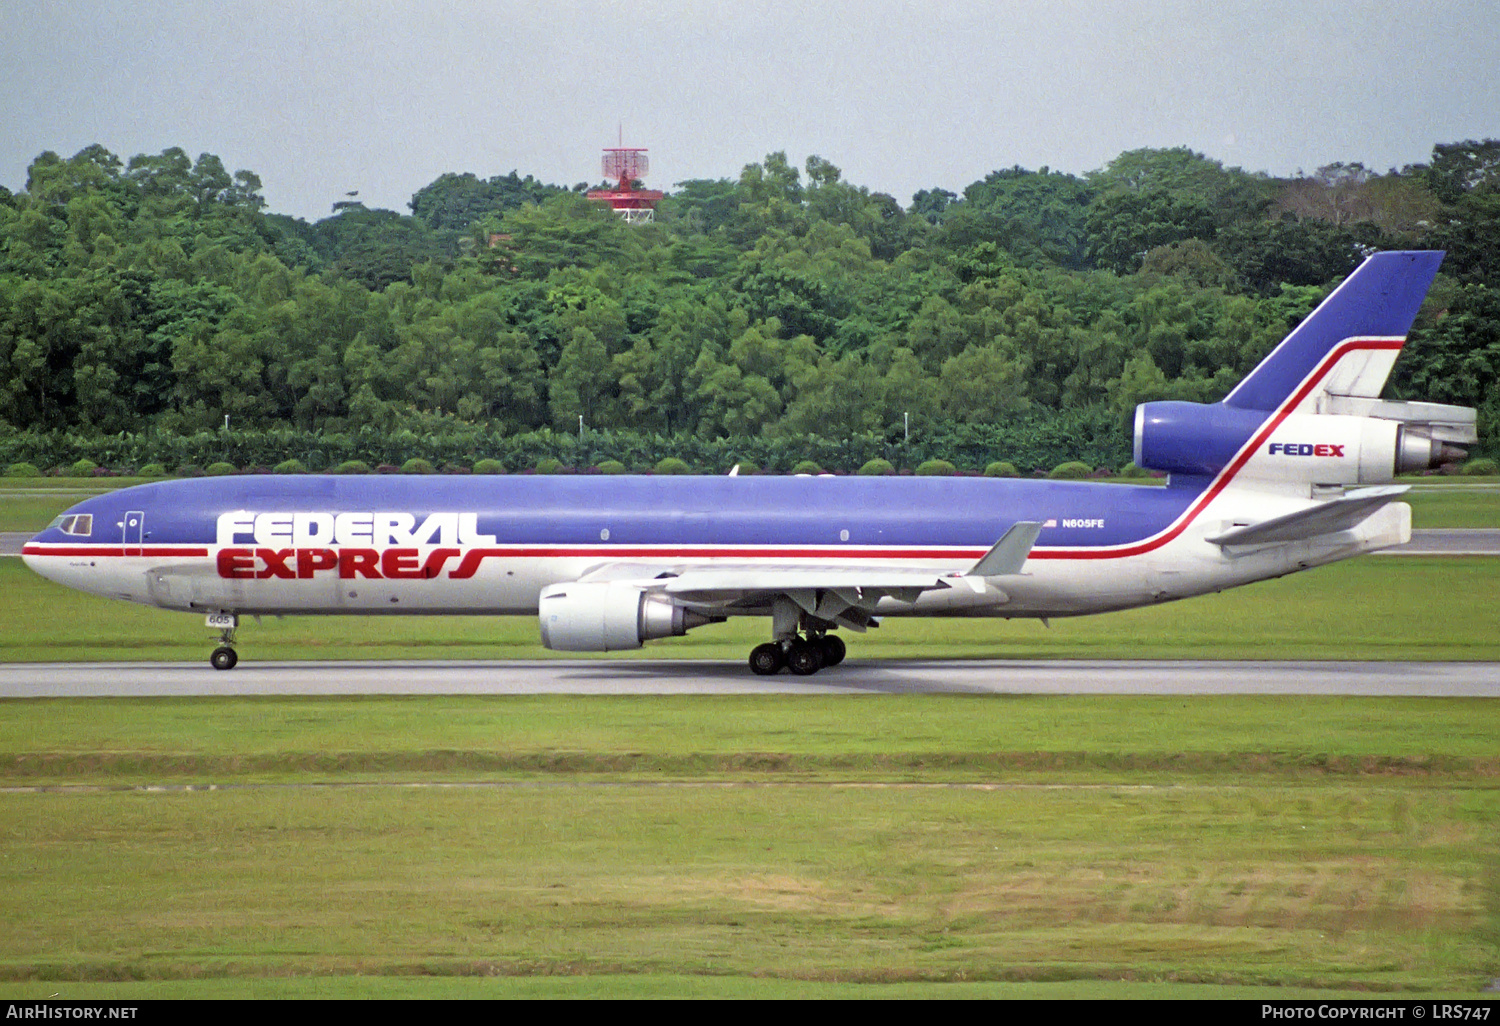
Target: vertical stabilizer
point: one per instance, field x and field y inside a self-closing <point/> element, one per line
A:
<point x="1361" y="327"/>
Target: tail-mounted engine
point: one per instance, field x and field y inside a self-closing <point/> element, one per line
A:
<point x="609" y="616"/>
<point x="1356" y="441"/>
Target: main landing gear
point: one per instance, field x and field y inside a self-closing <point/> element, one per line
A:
<point x="224" y="657"/>
<point x="801" y="642"/>
<point x="803" y="656"/>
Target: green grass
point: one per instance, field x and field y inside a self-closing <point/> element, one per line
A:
<point x="749" y="846"/>
<point x="74" y="484"/>
<point x="1371" y="608"/>
<point x="1450" y="505"/>
<point x="771" y="882"/>
<point x="663" y="986"/>
<point x="832" y="737"/>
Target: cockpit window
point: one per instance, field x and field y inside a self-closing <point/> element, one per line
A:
<point x="78" y="524"/>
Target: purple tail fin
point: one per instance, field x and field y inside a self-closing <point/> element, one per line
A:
<point x="1372" y="311"/>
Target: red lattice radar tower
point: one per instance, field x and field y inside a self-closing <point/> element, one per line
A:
<point x="628" y="166"/>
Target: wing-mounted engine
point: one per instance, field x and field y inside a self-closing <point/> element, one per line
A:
<point x="609" y="616"/>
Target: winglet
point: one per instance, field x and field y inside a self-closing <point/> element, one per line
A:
<point x="1008" y="554"/>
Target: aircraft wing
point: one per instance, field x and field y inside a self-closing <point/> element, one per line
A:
<point x="1335" y="515"/>
<point x="844" y="594"/>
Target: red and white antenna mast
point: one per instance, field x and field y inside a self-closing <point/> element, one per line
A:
<point x="628" y="167"/>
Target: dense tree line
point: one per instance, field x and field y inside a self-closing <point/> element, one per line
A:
<point x="157" y="296"/>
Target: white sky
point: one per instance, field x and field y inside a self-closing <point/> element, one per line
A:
<point x="320" y="97"/>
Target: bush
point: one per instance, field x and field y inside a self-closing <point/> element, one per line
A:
<point x="188" y="470"/>
<point x="352" y="467"/>
<point x="83" y="468"/>
<point x="936" y="468"/>
<point x="747" y="467"/>
<point x="807" y="467"/>
<point x="876" y="467"/>
<point x="291" y="467"/>
<point x="1482" y="467"/>
<point x="612" y="467"/>
<point x="221" y="469"/>
<point x="673" y="465"/>
<point x="1001" y="468"/>
<point x="489" y="467"/>
<point x="550" y="465"/>
<point x="417" y="465"/>
<point x="152" y="470"/>
<point x="454" y="468"/>
<point x="22" y="470"/>
<point x="1071" y="471"/>
<point x="1133" y="471"/>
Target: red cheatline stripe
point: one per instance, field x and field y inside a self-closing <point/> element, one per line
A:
<point x="617" y="551"/>
<point x="46" y="549"/>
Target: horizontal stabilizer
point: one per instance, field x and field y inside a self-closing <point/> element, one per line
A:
<point x="1008" y="555"/>
<point x="1339" y="514"/>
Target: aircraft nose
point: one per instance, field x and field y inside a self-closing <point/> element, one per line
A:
<point x="35" y="561"/>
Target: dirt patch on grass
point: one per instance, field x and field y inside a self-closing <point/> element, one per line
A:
<point x="58" y="765"/>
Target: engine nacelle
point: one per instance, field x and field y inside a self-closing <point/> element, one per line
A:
<point x="1335" y="449"/>
<point x="1191" y="438"/>
<point x="608" y="616"/>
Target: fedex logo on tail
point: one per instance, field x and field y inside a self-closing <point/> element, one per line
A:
<point x="1305" y="449"/>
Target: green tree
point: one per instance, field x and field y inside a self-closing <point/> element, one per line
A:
<point x="581" y="383"/>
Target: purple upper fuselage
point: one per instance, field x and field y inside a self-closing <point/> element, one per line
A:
<point x="665" y="511"/>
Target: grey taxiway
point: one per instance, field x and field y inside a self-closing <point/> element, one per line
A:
<point x="696" y="677"/>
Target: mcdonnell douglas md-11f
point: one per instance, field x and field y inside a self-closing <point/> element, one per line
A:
<point x="1291" y="470"/>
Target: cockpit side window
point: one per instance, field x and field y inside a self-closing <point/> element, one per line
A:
<point x="81" y="524"/>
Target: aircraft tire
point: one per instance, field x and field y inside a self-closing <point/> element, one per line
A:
<point x="834" y="650"/>
<point x="224" y="658"/>
<point x="766" y="659"/>
<point x="805" y="658"/>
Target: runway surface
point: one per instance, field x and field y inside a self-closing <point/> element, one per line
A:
<point x="1438" y="542"/>
<point x="683" y="677"/>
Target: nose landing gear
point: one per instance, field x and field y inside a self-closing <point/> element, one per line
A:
<point x="224" y="657"/>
